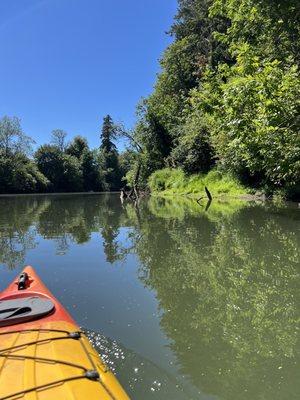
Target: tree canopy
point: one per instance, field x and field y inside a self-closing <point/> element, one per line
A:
<point x="227" y="96"/>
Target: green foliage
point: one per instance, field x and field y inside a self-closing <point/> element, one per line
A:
<point x="77" y="147"/>
<point x="270" y="29"/>
<point x="176" y="79"/>
<point x="166" y="179"/>
<point x="174" y="181"/>
<point x="62" y="170"/>
<point x="153" y="139"/>
<point x="254" y="105"/>
<point x="57" y="167"/>
<point x="107" y="135"/>
<point x="255" y="125"/>
<point x="162" y="130"/>
<point x="108" y="157"/>
<point x="91" y="170"/>
<point x="127" y="160"/>
<point x="48" y="160"/>
<point x="194" y="152"/>
<point x="228" y="94"/>
<point x="18" y="174"/>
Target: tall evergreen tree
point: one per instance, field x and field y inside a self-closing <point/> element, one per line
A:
<point x="107" y="135"/>
<point x="109" y="155"/>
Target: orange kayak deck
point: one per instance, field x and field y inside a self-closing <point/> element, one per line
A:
<point x="35" y="287"/>
<point x="49" y="358"/>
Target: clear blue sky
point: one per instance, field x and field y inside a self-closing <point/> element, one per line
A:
<point x="67" y="63"/>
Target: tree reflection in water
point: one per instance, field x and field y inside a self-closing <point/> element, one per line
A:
<point x="225" y="278"/>
<point x="227" y="290"/>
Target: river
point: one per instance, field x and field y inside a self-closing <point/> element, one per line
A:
<point x="182" y="300"/>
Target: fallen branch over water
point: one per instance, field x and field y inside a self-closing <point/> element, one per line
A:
<point x="208" y="194"/>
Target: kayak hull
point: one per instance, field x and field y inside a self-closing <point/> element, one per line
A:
<point x="49" y="358"/>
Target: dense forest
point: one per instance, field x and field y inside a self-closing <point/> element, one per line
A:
<point x="58" y="166"/>
<point x="227" y="96"/>
<point x="226" y="99"/>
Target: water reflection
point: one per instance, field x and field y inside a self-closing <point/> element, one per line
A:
<point x="225" y="278"/>
<point x="228" y="291"/>
<point x="142" y="378"/>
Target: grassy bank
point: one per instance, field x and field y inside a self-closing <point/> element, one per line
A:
<point x="169" y="182"/>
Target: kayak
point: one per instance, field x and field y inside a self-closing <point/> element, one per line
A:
<point x="43" y="353"/>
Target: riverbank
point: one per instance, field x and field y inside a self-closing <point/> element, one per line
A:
<point x="56" y="194"/>
<point x="170" y="182"/>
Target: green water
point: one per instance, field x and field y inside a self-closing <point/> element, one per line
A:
<point x="182" y="301"/>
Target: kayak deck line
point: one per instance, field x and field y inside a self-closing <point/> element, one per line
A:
<point x="35" y="342"/>
<point x="43" y="352"/>
<point x="41" y="387"/>
<point x="43" y="359"/>
<point x="75" y="335"/>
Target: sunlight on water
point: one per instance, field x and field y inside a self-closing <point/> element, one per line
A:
<point x="144" y="379"/>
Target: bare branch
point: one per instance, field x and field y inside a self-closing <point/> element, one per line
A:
<point x="122" y="132"/>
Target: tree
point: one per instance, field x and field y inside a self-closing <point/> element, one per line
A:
<point x="197" y="25"/>
<point x="18" y="174"/>
<point x="77" y="147"/>
<point x="91" y="171"/>
<point x="271" y="29"/>
<point x="107" y="135"/>
<point x="162" y="116"/>
<point x="12" y="138"/>
<point x="62" y="170"/>
<point x="126" y="161"/>
<point x="48" y="160"/>
<point x="194" y="152"/>
<point x="227" y="94"/>
<point x="255" y="126"/>
<point x="58" y="138"/>
<point x="109" y="155"/>
<point x="253" y="105"/>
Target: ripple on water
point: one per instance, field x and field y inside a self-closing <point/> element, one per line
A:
<point x="141" y="378"/>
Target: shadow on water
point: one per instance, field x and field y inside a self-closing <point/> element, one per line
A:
<point x="142" y="378"/>
<point x="225" y="281"/>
